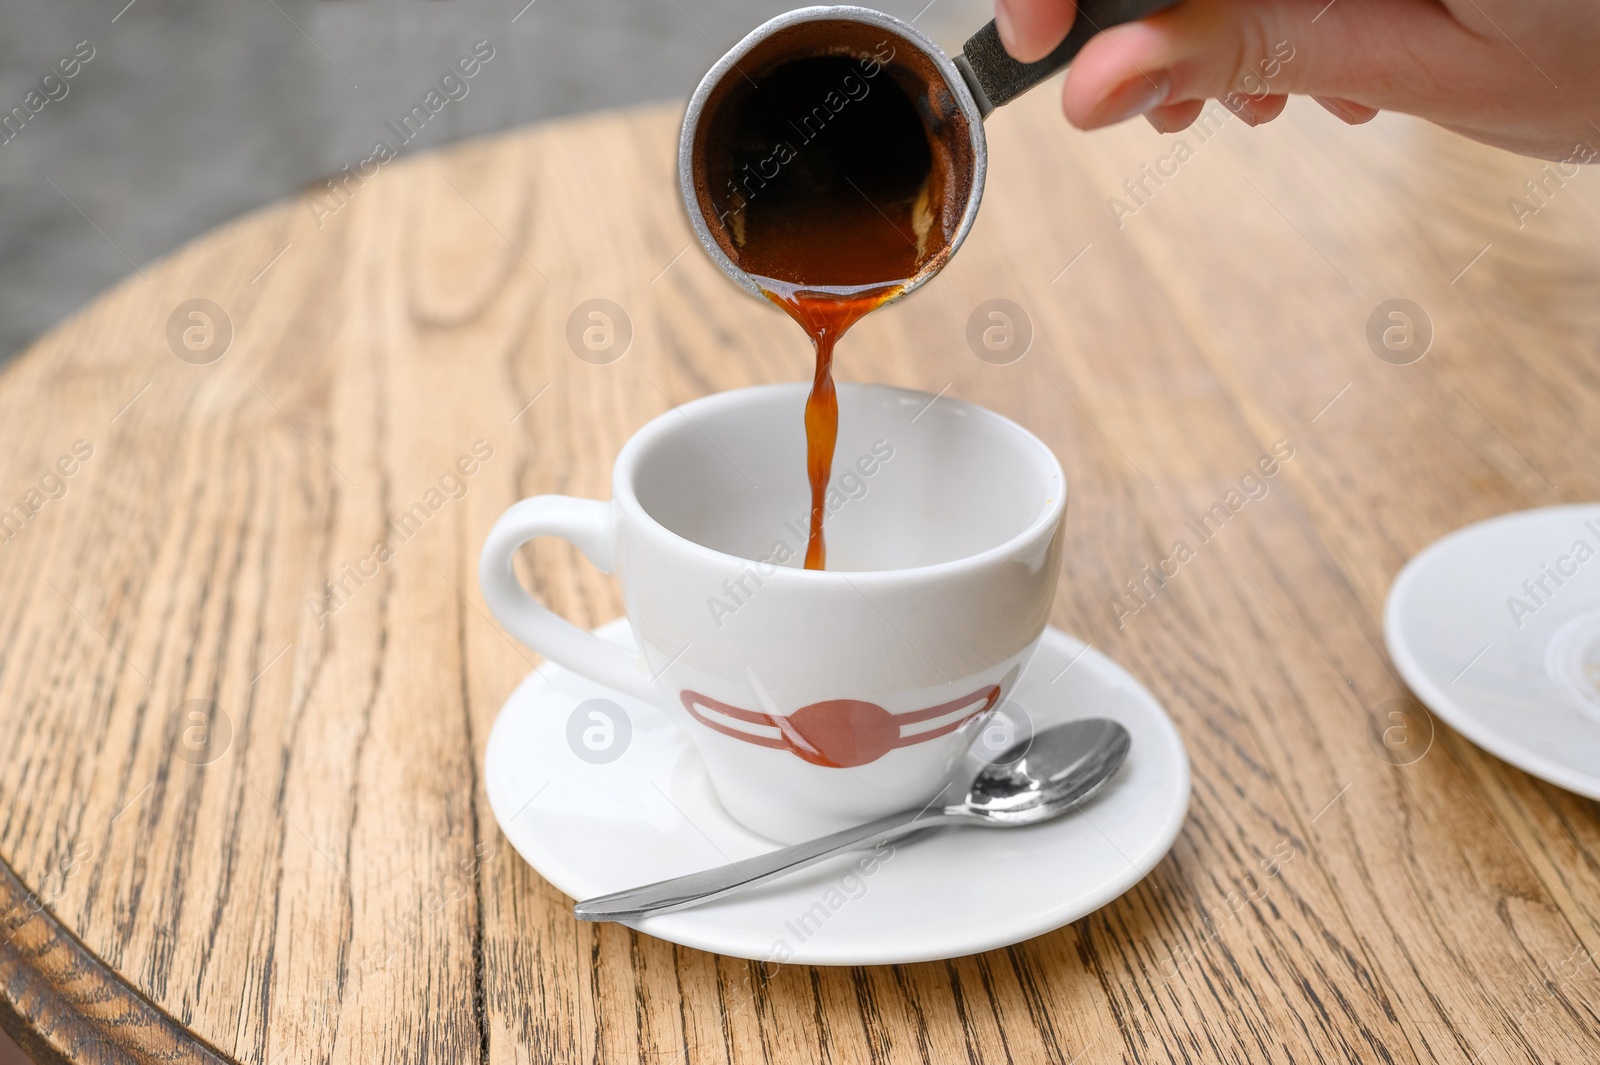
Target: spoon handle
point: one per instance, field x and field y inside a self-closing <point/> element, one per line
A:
<point x="684" y="891"/>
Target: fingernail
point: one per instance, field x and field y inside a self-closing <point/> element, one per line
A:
<point x="1133" y="97"/>
<point x="1241" y="106"/>
<point x="1002" y="23"/>
<point x="1163" y="124"/>
<point x="1334" y="106"/>
<point x="1344" y="110"/>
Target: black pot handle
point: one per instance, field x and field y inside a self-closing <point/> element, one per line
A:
<point x="995" y="78"/>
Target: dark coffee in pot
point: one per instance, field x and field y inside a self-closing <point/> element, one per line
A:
<point x="833" y="171"/>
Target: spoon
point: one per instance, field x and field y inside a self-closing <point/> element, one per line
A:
<point x="1034" y="781"/>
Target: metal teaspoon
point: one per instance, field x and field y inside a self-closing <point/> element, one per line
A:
<point x="1034" y="781"/>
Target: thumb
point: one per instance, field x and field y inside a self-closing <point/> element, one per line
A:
<point x="1365" y="51"/>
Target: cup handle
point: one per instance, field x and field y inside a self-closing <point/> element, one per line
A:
<point x="588" y="525"/>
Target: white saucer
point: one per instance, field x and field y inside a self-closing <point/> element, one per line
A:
<point x="592" y="826"/>
<point x="1520" y="681"/>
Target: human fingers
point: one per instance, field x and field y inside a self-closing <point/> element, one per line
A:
<point x="1031" y="29"/>
<point x="1356" y="49"/>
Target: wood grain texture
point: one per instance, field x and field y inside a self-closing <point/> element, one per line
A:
<point x="310" y="872"/>
<point x="62" y="1004"/>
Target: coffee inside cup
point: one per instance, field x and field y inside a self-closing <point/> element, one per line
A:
<point x="833" y="167"/>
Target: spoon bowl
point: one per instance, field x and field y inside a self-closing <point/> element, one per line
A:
<point x="1047" y="775"/>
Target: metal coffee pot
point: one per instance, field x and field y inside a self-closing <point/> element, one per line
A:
<point x="828" y="60"/>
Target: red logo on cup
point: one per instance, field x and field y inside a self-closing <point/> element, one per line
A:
<point x="840" y="733"/>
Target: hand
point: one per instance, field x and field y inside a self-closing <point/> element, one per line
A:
<point x="1519" y="74"/>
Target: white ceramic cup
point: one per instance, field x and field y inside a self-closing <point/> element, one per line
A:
<point x="818" y="699"/>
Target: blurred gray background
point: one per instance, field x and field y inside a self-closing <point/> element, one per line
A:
<point x="190" y="112"/>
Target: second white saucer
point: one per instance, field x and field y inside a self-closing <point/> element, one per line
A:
<point x="1496" y="627"/>
<point x="600" y="792"/>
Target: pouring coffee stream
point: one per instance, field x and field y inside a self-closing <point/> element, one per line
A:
<point x="833" y="161"/>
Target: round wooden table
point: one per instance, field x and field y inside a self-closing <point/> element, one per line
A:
<point x="243" y="812"/>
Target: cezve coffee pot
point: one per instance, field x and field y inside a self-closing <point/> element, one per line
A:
<point x="846" y="101"/>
